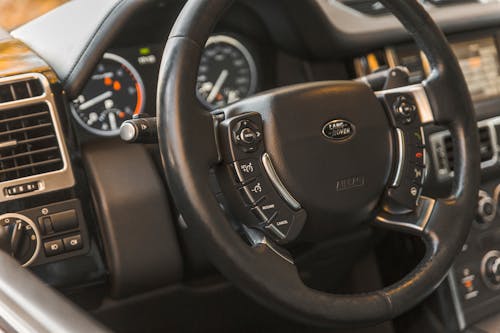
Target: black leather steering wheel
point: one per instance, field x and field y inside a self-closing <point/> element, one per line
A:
<point x="328" y="156"/>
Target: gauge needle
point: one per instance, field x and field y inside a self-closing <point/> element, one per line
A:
<point x="218" y="85"/>
<point x="96" y="100"/>
<point x="112" y="120"/>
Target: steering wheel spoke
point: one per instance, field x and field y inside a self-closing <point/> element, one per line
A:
<point x="414" y="222"/>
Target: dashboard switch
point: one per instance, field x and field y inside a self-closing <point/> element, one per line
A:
<point x="53" y="248"/>
<point x="64" y="220"/>
<point x="73" y="243"/>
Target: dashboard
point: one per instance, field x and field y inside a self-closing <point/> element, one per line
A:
<point x="240" y="60"/>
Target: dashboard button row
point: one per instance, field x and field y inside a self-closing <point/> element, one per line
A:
<point x="66" y="244"/>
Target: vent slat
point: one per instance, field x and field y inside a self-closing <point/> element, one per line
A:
<point x="28" y="116"/>
<point x="18" y="168"/>
<point x="25" y="129"/>
<point x="41" y="138"/>
<point x="28" y="141"/>
<point x="29" y="153"/>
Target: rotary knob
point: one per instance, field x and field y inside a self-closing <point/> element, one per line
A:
<point x="490" y="269"/>
<point x="20" y="237"/>
<point x="486" y="208"/>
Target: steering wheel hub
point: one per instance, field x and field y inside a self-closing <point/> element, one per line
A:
<point x="338" y="182"/>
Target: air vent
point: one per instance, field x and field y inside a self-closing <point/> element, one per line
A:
<point x="368" y="7"/>
<point x="33" y="156"/>
<point x="442" y="148"/>
<point x="485" y="147"/>
<point x="28" y="143"/>
<point x="20" y="90"/>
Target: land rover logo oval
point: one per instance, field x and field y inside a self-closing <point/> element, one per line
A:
<point x="339" y="130"/>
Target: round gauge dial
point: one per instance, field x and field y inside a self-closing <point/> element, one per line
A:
<point x="114" y="93"/>
<point x="227" y="72"/>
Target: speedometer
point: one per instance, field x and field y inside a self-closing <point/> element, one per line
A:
<point x="227" y="72"/>
<point x="114" y="94"/>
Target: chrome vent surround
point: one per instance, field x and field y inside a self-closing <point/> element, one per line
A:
<point x="33" y="154"/>
<point x="442" y="147"/>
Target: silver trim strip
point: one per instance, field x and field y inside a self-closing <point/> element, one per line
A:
<point x="401" y="157"/>
<point x="51" y="181"/>
<point x="278" y="184"/>
<point x="35" y="230"/>
<point x="420" y="96"/>
<point x="426" y="205"/>
<point x="257" y="238"/>
<point x="456" y="300"/>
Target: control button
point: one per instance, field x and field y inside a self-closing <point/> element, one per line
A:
<point x="247" y="170"/>
<point x="486" y="208"/>
<point x="416" y="137"/>
<point x="254" y="192"/>
<point x="492" y="270"/>
<point x="415" y="191"/>
<point x="73" y="243"/>
<point x="468" y="283"/>
<point x="259" y="214"/>
<point x="406" y="195"/>
<point x="406" y="108"/>
<point x="267" y="208"/>
<point x="54" y="247"/>
<point x="415" y="154"/>
<point x="64" y="220"/>
<point x="280" y="226"/>
<point x="45" y="224"/>
<point x="247" y="134"/>
<point x="417" y="174"/>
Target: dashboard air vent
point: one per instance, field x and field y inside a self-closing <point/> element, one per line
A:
<point x="20" y="90"/>
<point x="485" y="147"/>
<point x="442" y="147"/>
<point x="33" y="155"/>
<point x="28" y="143"/>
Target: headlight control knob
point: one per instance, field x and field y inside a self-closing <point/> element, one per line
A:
<point x="20" y="237"/>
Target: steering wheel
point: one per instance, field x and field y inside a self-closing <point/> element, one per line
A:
<point x="315" y="159"/>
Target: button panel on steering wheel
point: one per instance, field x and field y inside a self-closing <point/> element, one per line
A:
<point x="406" y="188"/>
<point x="252" y="196"/>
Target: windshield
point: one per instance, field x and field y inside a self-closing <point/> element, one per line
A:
<point x="14" y="13"/>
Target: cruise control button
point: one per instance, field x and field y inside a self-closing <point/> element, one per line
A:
<point x="254" y="192"/>
<point x="73" y="243"/>
<point x="53" y="248"/>
<point x="246" y="170"/>
<point x="259" y="214"/>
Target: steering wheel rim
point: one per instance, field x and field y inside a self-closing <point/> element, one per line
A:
<point x="189" y="146"/>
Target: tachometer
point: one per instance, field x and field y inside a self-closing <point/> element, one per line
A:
<point x="227" y="72"/>
<point x="114" y="93"/>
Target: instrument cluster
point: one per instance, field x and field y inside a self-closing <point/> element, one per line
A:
<point x="123" y="85"/>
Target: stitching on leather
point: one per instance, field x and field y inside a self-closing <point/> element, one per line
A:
<point x="91" y="40"/>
